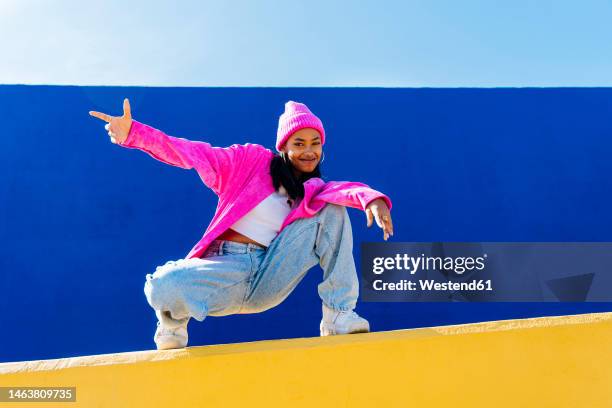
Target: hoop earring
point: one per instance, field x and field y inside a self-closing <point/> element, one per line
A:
<point x="322" y="158"/>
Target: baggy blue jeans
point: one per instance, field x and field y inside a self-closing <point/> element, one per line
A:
<point x="234" y="278"/>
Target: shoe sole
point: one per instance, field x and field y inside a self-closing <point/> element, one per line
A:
<point x="325" y="331"/>
<point x="170" y="342"/>
<point x="169" y="346"/>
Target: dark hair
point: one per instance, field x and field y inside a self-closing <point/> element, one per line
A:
<point x="281" y="171"/>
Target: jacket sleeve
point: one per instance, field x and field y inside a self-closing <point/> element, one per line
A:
<point x="351" y="194"/>
<point x="213" y="164"/>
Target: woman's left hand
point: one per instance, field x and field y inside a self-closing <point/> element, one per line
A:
<point x="378" y="209"/>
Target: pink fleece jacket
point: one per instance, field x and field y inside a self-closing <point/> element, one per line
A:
<point x="240" y="176"/>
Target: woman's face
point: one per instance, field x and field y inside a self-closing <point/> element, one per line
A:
<point x="304" y="149"/>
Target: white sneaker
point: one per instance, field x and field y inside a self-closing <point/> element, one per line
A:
<point x="170" y="337"/>
<point x="342" y="322"/>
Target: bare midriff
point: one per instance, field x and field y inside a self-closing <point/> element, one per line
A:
<point x="231" y="235"/>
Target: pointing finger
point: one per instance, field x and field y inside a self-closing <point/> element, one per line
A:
<point x="100" y="115"/>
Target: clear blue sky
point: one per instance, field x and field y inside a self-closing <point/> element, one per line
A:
<point x="307" y="43"/>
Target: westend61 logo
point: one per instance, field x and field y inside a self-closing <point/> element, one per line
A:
<point x="413" y="264"/>
<point x="486" y="271"/>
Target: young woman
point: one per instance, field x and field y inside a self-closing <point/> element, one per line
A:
<point x="276" y="218"/>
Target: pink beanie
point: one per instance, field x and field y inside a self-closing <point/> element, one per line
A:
<point x="296" y="116"/>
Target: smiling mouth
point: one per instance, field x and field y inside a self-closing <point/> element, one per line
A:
<point x="307" y="160"/>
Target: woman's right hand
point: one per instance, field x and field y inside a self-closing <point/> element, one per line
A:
<point x="118" y="127"/>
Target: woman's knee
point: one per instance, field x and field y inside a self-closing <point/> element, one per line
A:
<point x="163" y="285"/>
<point x="335" y="218"/>
<point x="334" y="214"/>
<point x="334" y="210"/>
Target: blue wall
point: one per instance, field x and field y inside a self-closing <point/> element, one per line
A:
<point x="83" y="220"/>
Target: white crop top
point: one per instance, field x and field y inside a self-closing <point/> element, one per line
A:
<point x="263" y="222"/>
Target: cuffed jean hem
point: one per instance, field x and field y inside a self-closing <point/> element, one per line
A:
<point x="339" y="308"/>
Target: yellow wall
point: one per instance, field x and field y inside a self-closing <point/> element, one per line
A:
<point x="544" y="362"/>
